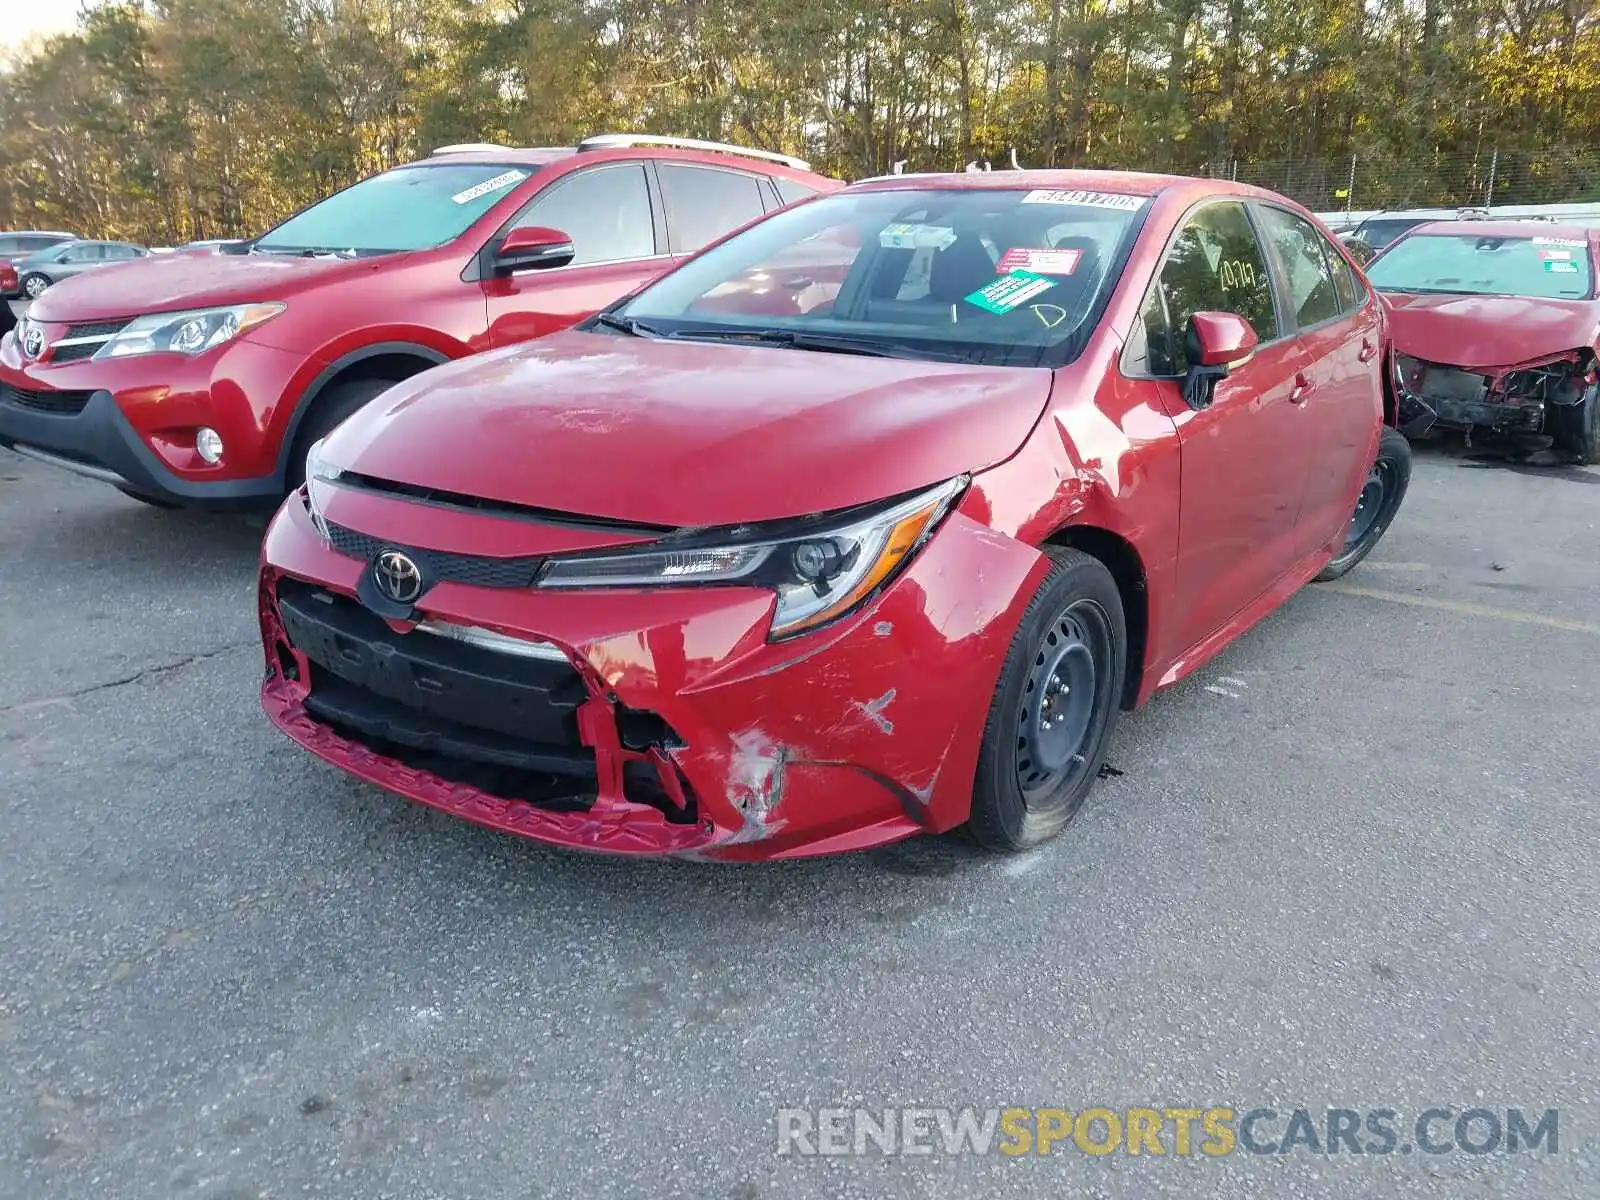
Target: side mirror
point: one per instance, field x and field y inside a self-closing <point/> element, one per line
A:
<point x="1215" y="343"/>
<point x="532" y="248"/>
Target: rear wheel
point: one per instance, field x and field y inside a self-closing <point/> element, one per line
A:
<point x="1380" y="499"/>
<point x="1054" y="707"/>
<point x="329" y="410"/>
<point x="34" y="284"/>
<point x="1576" y="427"/>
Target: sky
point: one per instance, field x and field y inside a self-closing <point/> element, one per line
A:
<point x="22" y="19"/>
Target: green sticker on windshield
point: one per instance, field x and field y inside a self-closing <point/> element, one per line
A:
<point x="1561" y="268"/>
<point x="1010" y="291"/>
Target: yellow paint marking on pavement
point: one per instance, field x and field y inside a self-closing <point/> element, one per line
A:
<point x="1462" y="608"/>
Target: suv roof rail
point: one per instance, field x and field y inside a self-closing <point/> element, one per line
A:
<point x="469" y="148"/>
<point x="609" y="141"/>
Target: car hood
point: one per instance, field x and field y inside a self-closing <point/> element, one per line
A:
<point x="687" y="434"/>
<point x="1480" y="332"/>
<point x="170" y="282"/>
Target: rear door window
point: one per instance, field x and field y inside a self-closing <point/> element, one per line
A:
<point x="1313" y="292"/>
<point x="703" y="203"/>
<point x="789" y="191"/>
<point x="604" y="210"/>
<point x="1215" y="264"/>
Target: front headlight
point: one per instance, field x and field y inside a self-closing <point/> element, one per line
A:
<point x="191" y="333"/>
<point x="318" y="468"/>
<point x="820" y="573"/>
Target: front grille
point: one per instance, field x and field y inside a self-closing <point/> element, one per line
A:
<point x="69" y="353"/>
<point x="96" y="328"/>
<point x="65" y="403"/>
<point x="439" y="566"/>
<point x="447" y="682"/>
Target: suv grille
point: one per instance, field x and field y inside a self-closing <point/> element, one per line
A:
<point x="96" y="328"/>
<point x="439" y="565"/>
<point x="67" y="403"/>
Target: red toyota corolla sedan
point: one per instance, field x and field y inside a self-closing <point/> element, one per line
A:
<point x="864" y="522"/>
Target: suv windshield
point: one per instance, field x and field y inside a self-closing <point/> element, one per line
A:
<point x="409" y="208"/>
<point x="977" y="275"/>
<point x="1551" y="268"/>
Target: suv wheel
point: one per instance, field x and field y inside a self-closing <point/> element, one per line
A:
<point x="327" y="412"/>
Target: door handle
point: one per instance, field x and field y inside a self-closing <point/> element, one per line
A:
<point x="1368" y="350"/>
<point x="1301" y="388"/>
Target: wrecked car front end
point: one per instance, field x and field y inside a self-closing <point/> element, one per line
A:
<point x="1514" y="398"/>
<point x="664" y="721"/>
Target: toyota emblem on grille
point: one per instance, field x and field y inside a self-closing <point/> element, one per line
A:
<point x="397" y="577"/>
<point x="33" y="341"/>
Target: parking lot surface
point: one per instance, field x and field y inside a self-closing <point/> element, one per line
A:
<point x="1350" y="864"/>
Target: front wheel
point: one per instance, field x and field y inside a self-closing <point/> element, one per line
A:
<point x="331" y="408"/>
<point x="1380" y="499"/>
<point x="1576" y="427"/>
<point x="34" y="284"/>
<point x="1054" y="707"/>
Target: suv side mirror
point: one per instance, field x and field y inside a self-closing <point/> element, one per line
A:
<point x="532" y="248"/>
<point x="1215" y="343"/>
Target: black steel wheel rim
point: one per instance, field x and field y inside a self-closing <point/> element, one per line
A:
<point x="1370" y="504"/>
<point x="1056" y="718"/>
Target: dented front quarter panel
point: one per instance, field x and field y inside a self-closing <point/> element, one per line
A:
<point x="857" y="734"/>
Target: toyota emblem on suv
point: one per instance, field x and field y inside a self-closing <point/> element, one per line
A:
<point x="33" y="340"/>
<point x="397" y="577"/>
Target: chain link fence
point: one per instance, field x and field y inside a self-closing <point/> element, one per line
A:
<point x="1366" y="181"/>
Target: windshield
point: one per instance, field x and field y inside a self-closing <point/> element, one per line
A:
<point x="977" y="275"/>
<point x="1551" y="268"/>
<point x="409" y="208"/>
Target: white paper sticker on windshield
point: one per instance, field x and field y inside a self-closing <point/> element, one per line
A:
<point x="498" y="184"/>
<point x="1042" y="262"/>
<point x="1550" y="241"/>
<point x="916" y="237"/>
<point x="1555" y="255"/>
<point x="1086" y="199"/>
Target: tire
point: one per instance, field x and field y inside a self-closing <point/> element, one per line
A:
<point x="1576" y="427"/>
<point x="1380" y="499"/>
<point x="150" y="500"/>
<point x="328" y="410"/>
<point x="1031" y="781"/>
<point x="34" y="284"/>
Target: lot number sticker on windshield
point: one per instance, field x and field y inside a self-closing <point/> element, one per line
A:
<point x="498" y="184"/>
<point x="1550" y="241"/>
<point x="1045" y="262"/>
<point x="1010" y="291"/>
<point x="1086" y="199"/>
<point x="916" y="237"/>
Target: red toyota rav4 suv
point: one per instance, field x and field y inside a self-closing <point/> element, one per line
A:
<point x="203" y="378"/>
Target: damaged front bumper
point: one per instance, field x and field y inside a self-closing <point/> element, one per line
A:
<point x="1509" y="399"/>
<point x="654" y="722"/>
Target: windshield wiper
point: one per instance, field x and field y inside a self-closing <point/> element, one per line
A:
<point x="827" y="343"/>
<point x="631" y="326"/>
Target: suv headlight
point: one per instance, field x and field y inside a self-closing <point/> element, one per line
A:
<point x="820" y="572"/>
<point x="192" y="332"/>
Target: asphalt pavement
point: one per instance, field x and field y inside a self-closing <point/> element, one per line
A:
<point x="1351" y="864"/>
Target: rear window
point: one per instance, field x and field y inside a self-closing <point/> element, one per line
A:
<point x="409" y="208"/>
<point x="1550" y="268"/>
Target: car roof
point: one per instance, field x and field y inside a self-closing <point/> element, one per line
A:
<point x="1135" y="183"/>
<point x="539" y="156"/>
<point x="55" y="233"/>
<point x="1509" y="229"/>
